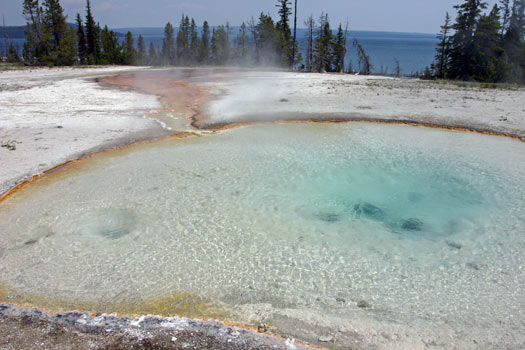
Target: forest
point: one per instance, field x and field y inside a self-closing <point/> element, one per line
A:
<point x="481" y="45"/>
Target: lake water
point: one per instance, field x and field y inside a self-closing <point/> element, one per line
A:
<point x="414" y="51"/>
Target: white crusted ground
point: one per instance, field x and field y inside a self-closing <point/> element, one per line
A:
<point x="269" y="95"/>
<point x="54" y="115"/>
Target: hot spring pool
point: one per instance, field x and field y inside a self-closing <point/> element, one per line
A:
<point x="344" y="223"/>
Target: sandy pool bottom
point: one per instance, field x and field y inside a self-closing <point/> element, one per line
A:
<point x="354" y="229"/>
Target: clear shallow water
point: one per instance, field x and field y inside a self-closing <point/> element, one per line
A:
<point x="425" y="226"/>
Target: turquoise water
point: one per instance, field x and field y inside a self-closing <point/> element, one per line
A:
<point x="424" y="227"/>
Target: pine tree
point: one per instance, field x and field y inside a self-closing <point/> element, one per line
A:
<point x="195" y="44"/>
<point x="12" y="54"/>
<point x="36" y="47"/>
<point x="152" y="55"/>
<point x="82" y="41"/>
<point x="220" y="46"/>
<point x="339" y="51"/>
<point x="512" y="63"/>
<point x="323" y="60"/>
<point x="487" y="49"/>
<point x="183" y="40"/>
<point x="204" y="54"/>
<point x="267" y="42"/>
<point x="505" y="15"/>
<point x="168" y="45"/>
<point x="141" y="51"/>
<point x="462" y="47"/>
<point x="111" y="49"/>
<point x="129" y="52"/>
<point x="442" y="58"/>
<point x="242" y="45"/>
<point x="93" y="37"/>
<point x="48" y="39"/>
<point x="283" y="28"/>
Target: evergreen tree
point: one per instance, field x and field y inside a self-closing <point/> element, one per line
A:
<point x="267" y="42"/>
<point x="195" y="44"/>
<point x="512" y="63"/>
<point x="48" y="39"/>
<point x="242" y="45"/>
<point x="12" y="54"/>
<point x="505" y="15"/>
<point x="141" y="51"/>
<point x="441" y="60"/>
<point x="487" y="47"/>
<point x="168" y="45"/>
<point x="36" y="47"/>
<point x="93" y="37"/>
<point x="111" y="49"/>
<point x="283" y="28"/>
<point x="152" y="55"/>
<point x="220" y="46"/>
<point x="63" y="41"/>
<point x="183" y="40"/>
<point x="129" y="52"/>
<point x="82" y="41"/>
<point x="204" y="54"/>
<point x="324" y="46"/>
<point x="339" y="51"/>
<point x="462" y="46"/>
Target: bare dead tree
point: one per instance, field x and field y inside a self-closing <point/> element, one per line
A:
<point x="310" y="25"/>
<point x="6" y="37"/>
<point x="365" y="66"/>
<point x="347" y="24"/>
<point x="397" y="67"/>
<point x="294" y="35"/>
<point x="253" y="29"/>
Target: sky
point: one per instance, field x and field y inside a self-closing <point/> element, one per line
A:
<point x="418" y="16"/>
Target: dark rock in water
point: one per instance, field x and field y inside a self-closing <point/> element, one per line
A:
<point x="364" y="304"/>
<point x="412" y="224"/>
<point x="473" y="266"/>
<point x="115" y="234"/>
<point x="369" y="210"/>
<point x="329" y="217"/>
<point x="454" y="245"/>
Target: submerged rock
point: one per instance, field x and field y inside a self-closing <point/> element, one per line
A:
<point x="369" y="210"/>
<point x="329" y="217"/>
<point x="412" y="224"/>
<point x="364" y="304"/>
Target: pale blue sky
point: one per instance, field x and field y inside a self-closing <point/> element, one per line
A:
<point x="424" y="16"/>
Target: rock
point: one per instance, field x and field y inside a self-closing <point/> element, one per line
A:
<point x="326" y="338"/>
<point x="364" y="304"/>
<point x="329" y="217"/>
<point x="454" y="245"/>
<point x="412" y="224"/>
<point x="262" y="328"/>
<point x="369" y="210"/>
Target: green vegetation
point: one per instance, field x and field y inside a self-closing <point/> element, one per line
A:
<point x="483" y="47"/>
<point x="51" y="41"/>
